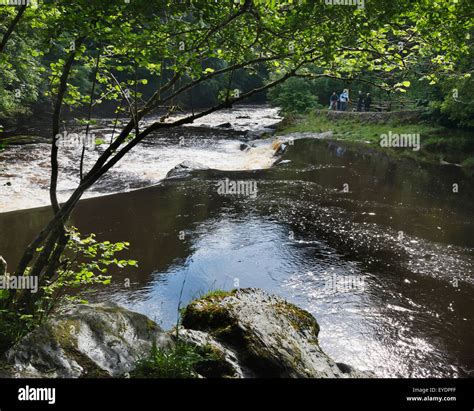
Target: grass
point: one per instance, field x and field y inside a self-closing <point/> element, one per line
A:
<point x="468" y="162"/>
<point x="213" y="294"/>
<point x="12" y="329"/>
<point x="468" y="165"/>
<point x="219" y="294"/>
<point x="182" y="360"/>
<point x="438" y="143"/>
<point x="178" y="361"/>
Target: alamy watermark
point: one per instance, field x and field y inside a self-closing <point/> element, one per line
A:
<point x="345" y="283"/>
<point x="28" y="393"/>
<point x="22" y="282"/>
<point x="400" y="140"/>
<point x="243" y="188"/>
<point x="359" y="3"/>
<point x="15" y="2"/>
<point x="74" y="140"/>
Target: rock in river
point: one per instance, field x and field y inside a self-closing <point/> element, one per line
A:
<point x="250" y="334"/>
<point x="269" y="336"/>
<point x="183" y="169"/>
<point x="245" y="147"/>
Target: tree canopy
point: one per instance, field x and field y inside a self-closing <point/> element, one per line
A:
<point x="165" y="48"/>
<point x="146" y="57"/>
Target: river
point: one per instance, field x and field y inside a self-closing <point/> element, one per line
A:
<point x="379" y="250"/>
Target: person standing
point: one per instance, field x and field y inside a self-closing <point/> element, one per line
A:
<point x="344" y="99"/>
<point x="367" y="102"/>
<point x="333" y="101"/>
<point x="360" y="101"/>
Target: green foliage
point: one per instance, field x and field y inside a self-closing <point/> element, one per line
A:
<point x="456" y="105"/>
<point x="423" y="37"/>
<point x="177" y="361"/>
<point x="216" y="294"/>
<point x="295" y="95"/>
<point x="468" y="164"/>
<point x="12" y="328"/>
<point x="85" y="265"/>
<point x="20" y="69"/>
<point x="438" y="143"/>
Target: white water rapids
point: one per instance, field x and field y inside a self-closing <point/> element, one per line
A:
<point x="25" y="169"/>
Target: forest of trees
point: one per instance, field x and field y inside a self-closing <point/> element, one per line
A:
<point x="36" y="40"/>
<point x="441" y="101"/>
<point x="141" y="58"/>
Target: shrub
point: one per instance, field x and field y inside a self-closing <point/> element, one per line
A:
<point x="178" y="361"/>
<point x="294" y="96"/>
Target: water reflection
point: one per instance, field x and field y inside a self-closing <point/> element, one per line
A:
<point x="303" y="233"/>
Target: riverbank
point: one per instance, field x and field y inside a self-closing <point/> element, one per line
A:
<point x="323" y="232"/>
<point x="243" y="333"/>
<point x="437" y="144"/>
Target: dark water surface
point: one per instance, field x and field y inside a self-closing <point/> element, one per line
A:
<point x="387" y="268"/>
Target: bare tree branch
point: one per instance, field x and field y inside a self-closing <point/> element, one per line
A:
<point x="56" y="120"/>
<point x="89" y="115"/>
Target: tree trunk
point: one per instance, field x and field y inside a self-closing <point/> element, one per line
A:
<point x="12" y="26"/>
<point x="56" y="122"/>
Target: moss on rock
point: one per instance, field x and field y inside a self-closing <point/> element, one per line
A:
<point x="270" y="336"/>
<point x="209" y="314"/>
<point x="86" y="341"/>
<point x="301" y="320"/>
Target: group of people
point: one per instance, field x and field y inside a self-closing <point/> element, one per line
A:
<point x="340" y="102"/>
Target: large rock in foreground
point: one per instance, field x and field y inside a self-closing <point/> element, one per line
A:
<point x="88" y="341"/>
<point x="268" y="336"/>
<point x="244" y="333"/>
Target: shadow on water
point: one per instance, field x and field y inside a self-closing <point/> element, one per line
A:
<point x="380" y="251"/>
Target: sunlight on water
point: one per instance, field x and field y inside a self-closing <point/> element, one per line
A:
<point x="386" y="267"/>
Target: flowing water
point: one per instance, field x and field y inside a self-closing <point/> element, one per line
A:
<point x="379" y="250"/>
<point x="25" y="169"/>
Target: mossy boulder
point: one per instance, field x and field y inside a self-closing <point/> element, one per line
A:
<point x="243" y="333"/>
<point x="268" y="336"/>
<point x="225" y="362"/>
<point x="99" y="340"/>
